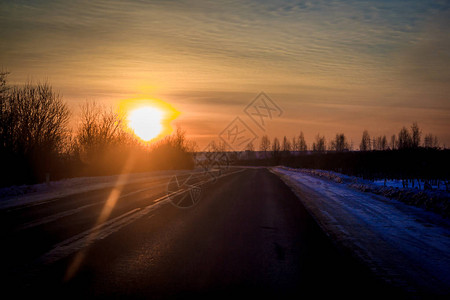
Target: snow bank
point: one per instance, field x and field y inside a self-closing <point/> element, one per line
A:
<point x="414" y="184"/>
<point x="405" y="245"/>
<point x="433" y="200"/>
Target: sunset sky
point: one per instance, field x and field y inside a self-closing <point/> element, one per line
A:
<point x="329" y="66"/>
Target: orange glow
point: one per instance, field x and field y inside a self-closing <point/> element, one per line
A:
<point x="146" y="122"/>
<point x="149" y="119"/>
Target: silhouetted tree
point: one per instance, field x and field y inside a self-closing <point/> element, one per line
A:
<point x="294" y="144"/>
<point x="178" y="140"/>
<point x="376" y="143"/>
<point x="350" y="147"/>
<point x="431" y="141"/>
<point x="33" y="126"/>
<point x="286" y="144"/>
<point x="365" y="141"/>
<point x="383" y="143"/>
<point x="265" y="145"/>
<point x="428" y="141"/>
<point x="301" y="142"/>
<point x="394" y="142"/>
<point x="436" y="142"/>
<point x="404" y="139"/>
<point x="174" y="152"/>
<point x="99" y="130"/>
<point x="37" y="119"/>
<point x="416" y="134"/>
<point x="319" y="144"/>
<point x="379" y="143"/>
<point x="276" y="148"/>
<point x="340" y="143"/>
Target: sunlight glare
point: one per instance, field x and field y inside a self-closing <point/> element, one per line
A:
<point x="146" y="122"/>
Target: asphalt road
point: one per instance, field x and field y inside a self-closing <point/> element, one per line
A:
<point x="248" y="235"/>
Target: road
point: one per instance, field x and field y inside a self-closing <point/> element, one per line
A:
<point x="248" y="235"/>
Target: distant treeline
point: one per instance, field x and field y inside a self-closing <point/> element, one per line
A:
<point x="404" y="156"/>
<point x="406" y="139"/>
<point x="36" y="143"/>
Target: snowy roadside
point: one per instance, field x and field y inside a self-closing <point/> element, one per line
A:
<point x="404" y="245"/>
<point x="436" y="200"/>
<point x="29" y="194"/>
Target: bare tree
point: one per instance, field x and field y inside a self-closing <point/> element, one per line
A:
<point x="301" y="142"/>
<point x="320" y="144"/>
<point x="175" y="151"/>
<point x="376" y="143"/>
<point x="365" y="141"/>
<point x="404" y="139"/>
<point x="265" y="145"/>
<point x="379" y="143"/>
<point x="33" y="128"/>
<point x="286" y="144"/>
<point x="275" y="146"/>
<point x="416" y="134"/>
<point x="428" y="141"/>
<point x="295" y="144"/>
<point x="431" y="141"/>
<point x="99" y="130"/>
<point x="393" y="142"/>
<point x="383" y="143"/>
<point x="34" y="118"/>
<point x="436" y="142"/>
<point x="179" y="142"/>
<point x="340" y="143"/>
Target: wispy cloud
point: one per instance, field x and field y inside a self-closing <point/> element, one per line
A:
<point x="359" y="51"/>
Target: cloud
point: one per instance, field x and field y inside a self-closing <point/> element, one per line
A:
<point x="198" y="53"/>
<point x="428" y="56"/>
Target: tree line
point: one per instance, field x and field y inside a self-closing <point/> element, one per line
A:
<point x="406" y="139"/>
<point x="404" y="156"/>
<point x="36" y="142"/>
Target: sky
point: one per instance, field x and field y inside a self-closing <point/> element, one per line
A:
<point x="324" y="67"/>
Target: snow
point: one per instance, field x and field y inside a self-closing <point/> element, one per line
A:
<point x="37" y="193"/>
<point x="437" y="200"/>
<point x="398" y="184"/>
<point x="405" y="245"/>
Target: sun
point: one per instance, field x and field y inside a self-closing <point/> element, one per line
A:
<point x="149" y="120"/>
<point x="146" y="122"/>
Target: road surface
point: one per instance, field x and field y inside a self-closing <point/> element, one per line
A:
<point x="248" y="235"/>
